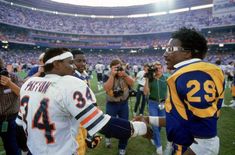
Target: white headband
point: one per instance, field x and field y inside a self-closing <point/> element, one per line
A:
<point x="59" y="57"/>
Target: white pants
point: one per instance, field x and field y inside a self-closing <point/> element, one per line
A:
<point x="206" y="146"/>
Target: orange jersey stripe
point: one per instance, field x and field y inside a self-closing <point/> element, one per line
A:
<point x="92" y="115"/>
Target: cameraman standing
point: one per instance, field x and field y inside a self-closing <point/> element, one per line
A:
<point x="156" y="88"/>
<point x="117" y="93"/>
<point x="9" y="107"/>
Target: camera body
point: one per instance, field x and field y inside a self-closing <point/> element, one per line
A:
<point x="150" y="73"/>
<point x="3" y="71"/>
<point x="118" y="92"/>
<point x="119" y="69"/>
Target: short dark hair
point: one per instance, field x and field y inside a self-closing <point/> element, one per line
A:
<point x="52" y="52"/>
<point x="76" y="52"/>
<point x="114" y="62"/>
<point x="193" y="41"/>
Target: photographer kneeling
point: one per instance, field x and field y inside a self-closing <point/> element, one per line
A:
<point x="156" y="89"/>
<point x="117" y="92"/>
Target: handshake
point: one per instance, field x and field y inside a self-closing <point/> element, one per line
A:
<point x="93" y="141"/>
<point x="145" y="119"/>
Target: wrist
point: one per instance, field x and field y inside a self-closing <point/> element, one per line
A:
<point x="9" y="84"/>
<point x="154" y="120"/>
<point x="138" y="129"/>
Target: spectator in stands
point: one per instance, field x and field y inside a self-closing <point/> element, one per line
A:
<point x="117" y="92"/>
<point x="9" y="107"/>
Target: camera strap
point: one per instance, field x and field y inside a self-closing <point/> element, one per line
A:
<point x="117" y="84"/>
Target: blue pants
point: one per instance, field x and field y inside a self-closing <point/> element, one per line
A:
<point x="139" y="95"/>
<point x="155" y="111"/>
<point x="120" y="110"/>
<point x="9" y="138"/>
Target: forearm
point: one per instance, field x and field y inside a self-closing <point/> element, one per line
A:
<point x="130" y="81"/>
<point x="123" y="129"/>
<point x="146" y="88"/>
<point x="14" y="88"/>
<point x="157" y="121"/>
<point x="108" y="85"/>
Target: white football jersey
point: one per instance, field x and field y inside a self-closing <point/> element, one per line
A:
<point x="140" y="77"/>
<point x="99" y="68"/>
<point x="48" y="108"/>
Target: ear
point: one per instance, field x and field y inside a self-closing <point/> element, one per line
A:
<point x="188" y="55"/>
<point x="56" y="64"/>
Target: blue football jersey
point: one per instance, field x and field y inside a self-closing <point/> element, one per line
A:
<point x="196" y="93"/>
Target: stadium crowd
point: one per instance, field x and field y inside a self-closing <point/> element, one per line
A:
<point x="28" y="58"/>
<point x="117" y="26"/>
<point x="29" y="36"/>
<point x="124" y="47"/>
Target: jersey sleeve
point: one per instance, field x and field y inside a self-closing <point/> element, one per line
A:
<point x="79" y="100"/>
<point x="19" y="120"/>
<point x="21" y="114"/>
<point x="200" y="92"/>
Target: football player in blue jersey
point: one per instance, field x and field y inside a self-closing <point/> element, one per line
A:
<point x="196" y="92"/>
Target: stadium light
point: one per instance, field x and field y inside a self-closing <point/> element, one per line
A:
<point x="133" y="51"/>
<point x="5" y="46"/>
<point x="157" y="13"/>
<point x="4" y="41"/>
<point x="137" y="15"/>
<point x="179" y="10"/>
<point x="221" y="45"/>
<point x="202" y="7"/>
<point x="106" y="3"/>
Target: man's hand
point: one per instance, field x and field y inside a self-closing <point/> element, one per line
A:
<point x="114" y="71"/>
<point x="149" y="133"/>
<point x="5" y="81"/>
<point x="93" y="142"/>
<point x="144" y="119"/>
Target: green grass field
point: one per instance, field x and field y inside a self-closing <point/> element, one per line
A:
<point x="141" y="146"/>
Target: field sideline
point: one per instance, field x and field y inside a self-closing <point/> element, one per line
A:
<point x="141" y="146"/>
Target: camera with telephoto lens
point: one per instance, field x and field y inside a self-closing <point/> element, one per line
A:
<point x="3" y="71"/>
<point x="150" y="73"/>
<point x="119" y="68"/>
<point x="117" y="92"/>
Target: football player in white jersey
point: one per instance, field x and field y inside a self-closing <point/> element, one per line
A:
<point x="99" y="67"/>
<point x="49" y="105"/>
